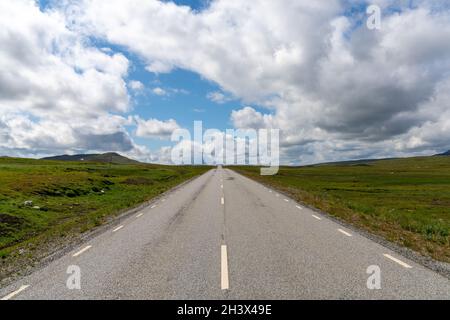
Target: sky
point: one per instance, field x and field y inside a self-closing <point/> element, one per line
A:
<point x="110" y="75"/>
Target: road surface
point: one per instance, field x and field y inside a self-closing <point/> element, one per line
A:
<point x="224" y="236"/>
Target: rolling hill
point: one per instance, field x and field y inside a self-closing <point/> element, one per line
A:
<point x="110" y="157"/>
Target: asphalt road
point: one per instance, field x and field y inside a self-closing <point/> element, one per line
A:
<point x="224" y="236"/>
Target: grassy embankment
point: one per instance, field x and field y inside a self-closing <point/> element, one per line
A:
<point x="406" y="201"/>
<point x="69" y="198"/>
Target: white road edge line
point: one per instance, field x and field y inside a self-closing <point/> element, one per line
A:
<point x="398" y="261"/>
<point x="139" y="215"/>
<point x="225" y="284"/>
<point x="15" y="293"/>
<point x="344" y="232"/>
<point x="153" y="207"/>
<point x="298" y="207"/>
<point x="163" y="200"/>
<point x="118" y="228"/>
<point x="222" y="201"/>
<point x="81" y="251"/>
<point x="318" y="218"/>
<point x="286" y="200"/>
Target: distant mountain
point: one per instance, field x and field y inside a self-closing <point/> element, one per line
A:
<point x="444" y="154"/>
<point x="111" y="157"/>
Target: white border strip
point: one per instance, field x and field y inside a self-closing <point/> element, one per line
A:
<point x="81" y="251"/>
<point x="345" y="232"/>
<point x="15" y="293"/>
<point x="398" y="261"/>
<point x="118" y="228"/>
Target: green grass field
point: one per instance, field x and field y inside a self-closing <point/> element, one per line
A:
<point x="406" y="201"/>
<point x="69" y="198"/>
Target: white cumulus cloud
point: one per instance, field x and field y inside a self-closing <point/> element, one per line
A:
<point x="334" y="87"/>
<point x="153" y="128"/>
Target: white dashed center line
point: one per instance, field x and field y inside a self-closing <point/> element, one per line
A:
<point x="270" y="191"/>
<point x="139" y="215"/>
<point x="298" y="207"/>
<point x="286" y="200"/>
<point x="153" y="207"/>
<point x="15" y="293"/>
<point x="81" y="251"/>
<point x="224" y="269"/>
<point x="398" y="261"/>
<point x="318" y="218"/>
<point x="118" y="228"/>
<point x="344" y="232"/>
<point x="222" y="200"/>
<point x="163" y="200"/>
